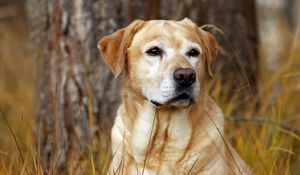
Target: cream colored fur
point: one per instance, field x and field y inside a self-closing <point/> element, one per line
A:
<point x="166" y="137"/>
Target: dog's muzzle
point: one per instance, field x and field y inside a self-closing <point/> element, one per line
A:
<point x="184" y="79"/>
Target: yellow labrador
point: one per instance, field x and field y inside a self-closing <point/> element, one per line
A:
<point x="167" y="124"/>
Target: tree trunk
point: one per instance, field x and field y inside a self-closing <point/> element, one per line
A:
<point x="78" y="95"/>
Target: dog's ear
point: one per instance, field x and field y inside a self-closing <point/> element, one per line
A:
<point x="211" y="51"/>
<point x="113" y="48"/>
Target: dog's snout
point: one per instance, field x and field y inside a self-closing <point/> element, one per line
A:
<point x="184" y="76"/>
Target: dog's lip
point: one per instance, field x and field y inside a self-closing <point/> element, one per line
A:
<point x="156" y="103"/>
<point x="183" y="98"/>
<point x="180" y="97"/>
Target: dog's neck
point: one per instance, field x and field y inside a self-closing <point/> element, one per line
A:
<point x="135" y="104"/>
<point x="166" y="134"/>
<point x="153" y="129"/>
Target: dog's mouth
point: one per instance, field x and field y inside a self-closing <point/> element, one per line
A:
<point x="156" y="103"/>
<point x="183" y="99"/>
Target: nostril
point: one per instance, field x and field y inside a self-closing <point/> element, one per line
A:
<point x="180" y="76"/>
<point x="192" y="78"/>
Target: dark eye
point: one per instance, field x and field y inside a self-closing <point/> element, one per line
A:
<point x="154" y="51"/>
<point x="193" y="53"/>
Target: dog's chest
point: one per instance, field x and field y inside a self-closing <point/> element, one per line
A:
<point x="160" y="138"/>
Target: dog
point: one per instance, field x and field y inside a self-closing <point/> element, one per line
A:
<point x="167" y="124"/>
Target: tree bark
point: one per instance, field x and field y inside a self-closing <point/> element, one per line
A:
<point x="77" y="91"/>
<point x="78" y="95"/>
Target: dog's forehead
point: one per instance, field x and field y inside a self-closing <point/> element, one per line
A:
<point x="167" y="29"/>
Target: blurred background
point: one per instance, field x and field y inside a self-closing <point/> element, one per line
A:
<point x="58" y="99"/>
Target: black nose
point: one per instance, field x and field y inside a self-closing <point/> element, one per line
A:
<point x="184" y="76"/>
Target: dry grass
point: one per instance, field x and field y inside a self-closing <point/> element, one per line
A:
<point x="267" y="148"/>
<point x="16" y="100"/>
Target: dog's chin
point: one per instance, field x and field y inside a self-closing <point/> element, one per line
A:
<point x="183" y="100"/>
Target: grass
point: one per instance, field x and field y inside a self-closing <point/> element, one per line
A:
<point x="16" y="100"/>
<point x="267" y="147"/>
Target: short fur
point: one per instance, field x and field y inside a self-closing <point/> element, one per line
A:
<point x="174" y="137"/>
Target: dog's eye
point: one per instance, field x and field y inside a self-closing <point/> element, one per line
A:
<point x="193" y="53"/>
<point x="154" y="51"/>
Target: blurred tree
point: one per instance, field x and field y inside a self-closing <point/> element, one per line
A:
<point x="78" y="95"/>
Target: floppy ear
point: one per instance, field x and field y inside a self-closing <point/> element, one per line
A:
<point x="211" y="48"/>
<point x="113" y="48"/>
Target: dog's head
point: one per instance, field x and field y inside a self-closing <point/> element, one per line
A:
<point x="165" y="61"/>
